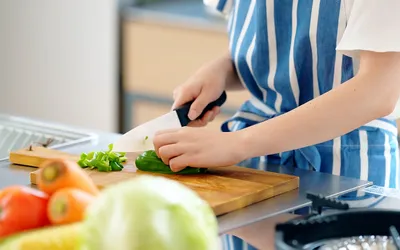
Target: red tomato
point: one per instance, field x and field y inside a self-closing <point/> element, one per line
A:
<point x="22" y="208"/>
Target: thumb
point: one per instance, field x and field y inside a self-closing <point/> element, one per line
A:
<point x="199" y="104"/>
<point x="181" y="99"/>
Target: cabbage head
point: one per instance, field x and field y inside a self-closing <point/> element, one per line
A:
<point x="150" y="213"/>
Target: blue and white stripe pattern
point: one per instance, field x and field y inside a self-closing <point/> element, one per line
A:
<point x="285" y="54"/>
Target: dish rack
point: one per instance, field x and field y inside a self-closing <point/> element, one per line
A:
<point x="18" y="132"/>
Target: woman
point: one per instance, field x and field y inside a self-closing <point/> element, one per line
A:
<point x="324" y="77"/>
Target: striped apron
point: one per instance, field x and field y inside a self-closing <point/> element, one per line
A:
<point x="285" y="55"/>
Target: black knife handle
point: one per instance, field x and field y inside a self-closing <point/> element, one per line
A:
<point x="183" y="111"/>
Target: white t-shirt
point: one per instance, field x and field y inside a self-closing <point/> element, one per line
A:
<point x="373" y="25"/>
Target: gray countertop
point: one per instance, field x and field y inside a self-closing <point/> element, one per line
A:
<point x="324" y="184"/>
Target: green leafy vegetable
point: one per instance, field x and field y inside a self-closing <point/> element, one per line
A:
<point x="103" y="161"/>
<point x="149" y="161"/>
<point x="152" y="213"/>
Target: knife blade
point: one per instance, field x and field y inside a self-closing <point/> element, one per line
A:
<point x="141" y="137"/>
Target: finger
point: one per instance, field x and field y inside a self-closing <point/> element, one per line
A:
<point x="163" y="140"/>
<point x="169" y="151"/>
<point x="207" y="117"/>
<point x="182" y="161"/>
<point x="183" y="95"/>
<point x="178" y="163"/>
<point x="216" y="111"/>
<point x="203" y="121"/>
<point x="199" y="104"/>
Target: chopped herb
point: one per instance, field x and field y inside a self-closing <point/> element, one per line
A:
<point x="115" y="166"/>
<point x="103" y="161"/>
<point x="145" y="139"/>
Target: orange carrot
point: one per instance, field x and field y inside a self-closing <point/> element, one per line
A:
<point x="68" y="205"/>
<point x="60" y="173"/>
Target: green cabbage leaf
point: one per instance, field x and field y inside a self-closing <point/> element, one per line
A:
<point x="150" y="213"/>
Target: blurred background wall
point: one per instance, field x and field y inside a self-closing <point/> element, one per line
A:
<point x="58" y="61"/>
<point x="103" y="64"/>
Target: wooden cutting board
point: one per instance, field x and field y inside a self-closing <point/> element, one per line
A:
<point x="225" y="189"/>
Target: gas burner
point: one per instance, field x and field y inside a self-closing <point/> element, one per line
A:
<point x="344" y="228"/>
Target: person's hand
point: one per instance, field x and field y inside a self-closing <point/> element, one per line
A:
<point x="205" y="86"/>
<point x="199" y="147"/>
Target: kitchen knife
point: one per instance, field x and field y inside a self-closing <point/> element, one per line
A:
<point x="141" y="137"/>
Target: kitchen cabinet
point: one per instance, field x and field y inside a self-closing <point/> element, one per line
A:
<point x="161" y="50"/>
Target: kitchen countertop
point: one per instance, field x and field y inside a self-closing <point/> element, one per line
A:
<point x="314" y="182"/>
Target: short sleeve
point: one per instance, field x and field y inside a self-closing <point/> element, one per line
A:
<point x="373" y="25"/>
<point x="222" y="6"/>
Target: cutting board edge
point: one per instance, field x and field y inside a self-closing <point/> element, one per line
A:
<point x="259" y="172"/>
<point x="35" y="158"/>
<point x="254" y="198"/>
<point x="33" y="161"/>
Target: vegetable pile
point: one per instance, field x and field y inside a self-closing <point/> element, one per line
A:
<point x="149" y="161"/>
<point x="69" y="212"/>
<point x="64" y="192"/>
<point x="107" y="161"/>
<point x="103" y="161"/>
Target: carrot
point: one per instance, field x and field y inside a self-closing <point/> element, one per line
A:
<point x="68" y="205"/>
<point x="60" y="173"/>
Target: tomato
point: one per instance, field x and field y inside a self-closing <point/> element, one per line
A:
<point x="22" y="208"/>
